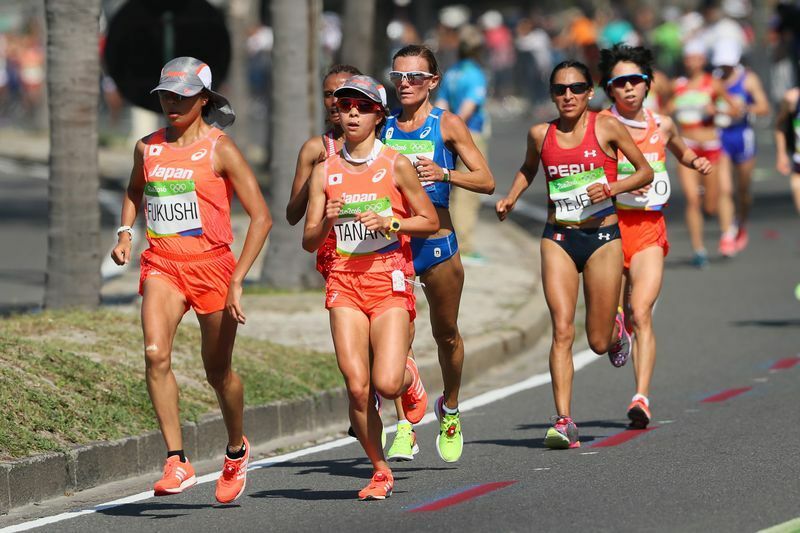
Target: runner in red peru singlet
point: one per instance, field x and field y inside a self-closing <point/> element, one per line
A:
<point x="578" y="151"/>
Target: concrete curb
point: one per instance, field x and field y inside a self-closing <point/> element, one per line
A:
<point x="269" y="427"/>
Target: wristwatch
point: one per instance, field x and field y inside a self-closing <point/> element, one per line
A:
<point x="394" y="227"/>
<point x="446" y="174"/>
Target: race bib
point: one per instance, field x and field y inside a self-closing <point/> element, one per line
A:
<point x="412" y="149"/>
<point x="655" y="198"/>
<point x="691" y="107"/>
<point x="353" y="238"/>
<point x="572" y="203"/>
<point x="796" y="155"/>
<point x="172" y="209"/>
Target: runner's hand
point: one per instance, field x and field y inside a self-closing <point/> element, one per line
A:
<point x="598" y="192"/>
<point x="503" y="208"/>
<point x="427" y="170"/>
<point x="702" y="165"/>
<point x="121" y="254"/>
<point x="782" y="164"/>
<point x="232" y="303"/>
<point x="333" y="207"/>
<point x="373" y="221"/>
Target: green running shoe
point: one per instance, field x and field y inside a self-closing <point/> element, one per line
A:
<point x="449" y="441"/>
<point x="404" y="447"/>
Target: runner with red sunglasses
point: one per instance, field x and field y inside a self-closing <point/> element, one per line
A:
<point x="372" y="200"/>
<point x="626" y="75"/>
<point x="578" y="153"/>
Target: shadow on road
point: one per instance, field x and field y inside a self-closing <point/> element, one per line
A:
<point x="151" y="510"/>
<point x="581" y="424"/>
<point x="306" y="494"/>
<point x="768" y="323"/>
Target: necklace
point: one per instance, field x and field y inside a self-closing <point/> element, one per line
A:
<point x="639" y="124"/>
<point x="376" y="149"/>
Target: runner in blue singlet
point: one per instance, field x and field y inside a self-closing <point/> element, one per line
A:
<point x="431" y="138"/>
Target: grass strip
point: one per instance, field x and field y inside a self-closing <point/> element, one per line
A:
<point x="72" y="377"/>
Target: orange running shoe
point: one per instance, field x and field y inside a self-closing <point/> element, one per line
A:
<point x="414" y="399"/>
<point x="177" y="477"/>
<point x="379" y="488"/>
<point x="639" y="414"/>
<point x="232" y="479"/>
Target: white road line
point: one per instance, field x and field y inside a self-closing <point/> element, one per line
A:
<point x="580" y="360"/>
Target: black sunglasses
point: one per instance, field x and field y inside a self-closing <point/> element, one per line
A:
<point x="559" y="89"/>
<point x="621" y="81"/>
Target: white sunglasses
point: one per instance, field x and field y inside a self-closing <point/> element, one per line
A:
<point x="415" y="77"/>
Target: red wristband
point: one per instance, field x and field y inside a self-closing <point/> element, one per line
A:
<point x="607" y="190"/>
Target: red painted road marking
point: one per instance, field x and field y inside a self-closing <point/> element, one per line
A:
<point x="459" y="497"/>
<point x="726" y="395"/>
<point x="771" y="234"/>
<point x="621" y="438"/>
<point x="785" y="364"/>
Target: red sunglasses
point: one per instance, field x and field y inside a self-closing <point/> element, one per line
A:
<point x="364" y="106"/>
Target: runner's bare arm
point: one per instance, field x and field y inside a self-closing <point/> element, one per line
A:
<point x="424" y="221"/>
<point x="760" y="106"/>
<point x="782" y="118"/>
<point x="229" y="162"/>
<point x="309" y="155"/>
<point x="685" y="155"/>
<point x="524" y="176"/>
<point x="321" y="213"/>
<point x="617" y="137"/>
<point x="457" y="136"/>
<point x="131" y="202"/>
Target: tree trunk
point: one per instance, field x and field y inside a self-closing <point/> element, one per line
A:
<point x="287" y="265"/>
<point x="73" y="73"/>
<point x="241" y="13"/>
<point x="358" y="33"/>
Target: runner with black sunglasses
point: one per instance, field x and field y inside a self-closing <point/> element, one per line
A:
<point x="627" y="74"/>
<point x="578" y="153"/>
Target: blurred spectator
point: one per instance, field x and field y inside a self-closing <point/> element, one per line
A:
<point x="259" y="60"/>
<point x="451" y="18"/>
<point x="618" y="31"/>
<point x="463" y="92"/>
<point x="665" y="40"/>
<point x="501" y="54"/>
<point x="535" y="60"/>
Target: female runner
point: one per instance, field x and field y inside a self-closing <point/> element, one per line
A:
<point x="186" y="175"/>
<point x="693" y="106"/>
<point x="626" y="75"/>
<point x="578" y="153"/>
<point x="371" y="198"/>
<point x="432" y="138"/>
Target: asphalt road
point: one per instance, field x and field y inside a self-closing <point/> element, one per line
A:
<point x="721" y="455"/>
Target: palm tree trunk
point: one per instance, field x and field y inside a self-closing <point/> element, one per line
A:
<point x="73" y="71"/>
<point x="287" y="265"/>
<point x="358" y="33"/>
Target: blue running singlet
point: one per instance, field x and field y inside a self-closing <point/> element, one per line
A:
<point x="425" y="141"/>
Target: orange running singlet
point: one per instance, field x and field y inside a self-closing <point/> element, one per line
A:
<point x="641" y="220"/>
<point x="371" y="188"/>
<point x="187" y="204"/>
